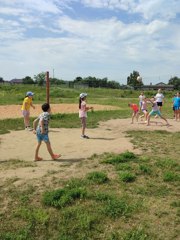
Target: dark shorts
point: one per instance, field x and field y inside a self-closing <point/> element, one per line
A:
<point x="159" y="104"/>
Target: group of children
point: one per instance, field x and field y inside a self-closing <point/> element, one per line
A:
<point x="40" y="124"/>
<point x="157" y="103"/>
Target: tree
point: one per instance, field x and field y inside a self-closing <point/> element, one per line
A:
<point x="1" y="80"/>
<point x="175" y="81"/>
<point x="28" y="80"/>
<point x="132" y="79"/>
<point x="40" y="78"/>
<point x="78" y="79"/>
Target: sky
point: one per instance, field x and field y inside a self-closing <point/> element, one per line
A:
<point x="98" y="38"/>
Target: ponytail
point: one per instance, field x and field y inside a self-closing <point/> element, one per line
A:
<point x="79" y="103"/>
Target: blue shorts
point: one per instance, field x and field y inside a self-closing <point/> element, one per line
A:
<point x="155" y="113"/>
<point x="42" y="137"/>
<point x="176" y="108"/>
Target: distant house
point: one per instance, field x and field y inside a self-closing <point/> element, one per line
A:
<point x="161" y="85"/>
<point x="16" y="81"/>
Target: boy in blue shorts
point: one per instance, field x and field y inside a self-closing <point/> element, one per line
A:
<point x="41" y="131"/>
<point x="155" y="111"/>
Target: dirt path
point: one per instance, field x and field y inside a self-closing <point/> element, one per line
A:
<point x="14" y="111"/>
<point x="109" y="137"/>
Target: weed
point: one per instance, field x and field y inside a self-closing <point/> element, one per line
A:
<point x="63" y="197"/>
<point x="136" y="234"/>
<point x="171" y="177"/>
<point x="121" y="158"/>
<point x="145" y="169"/>
<point x="127" y="176"/>
<point x="116" y="207"/>
<point x="97" y="177"/>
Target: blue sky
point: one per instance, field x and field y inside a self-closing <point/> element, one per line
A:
<point x="101" y="38"/>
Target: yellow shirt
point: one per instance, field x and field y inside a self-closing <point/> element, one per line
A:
<point x="26" y="104"/>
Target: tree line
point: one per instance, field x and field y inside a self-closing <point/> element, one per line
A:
<point x="132" y="81"/>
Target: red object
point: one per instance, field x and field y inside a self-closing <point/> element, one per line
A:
<point x="134" y="107"/>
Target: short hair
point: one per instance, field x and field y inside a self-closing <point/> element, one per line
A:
<point x="45" y="107"/>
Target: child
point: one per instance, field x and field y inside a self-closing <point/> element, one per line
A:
<point x="42" y="132"/>
<point x="83" y="112"/>
<point x="27" y="103"/>
<point x="135" y="109"/>
<point x="176" y="106"/>
<point x="141" y="98"/>
<point x="144" y="108"/>
<point x="155" y="111"/>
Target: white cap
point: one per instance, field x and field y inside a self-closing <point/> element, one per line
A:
<point x="82" y="95"/>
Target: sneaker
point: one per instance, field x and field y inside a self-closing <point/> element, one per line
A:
<point x="29" y="128"/>
<point x="84" y="136"/>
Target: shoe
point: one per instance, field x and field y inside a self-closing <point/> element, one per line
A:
<point x="84" y="136"/>
<point x="29" y="128"/>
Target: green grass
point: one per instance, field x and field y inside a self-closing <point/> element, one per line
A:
<point x="84" y="208"/>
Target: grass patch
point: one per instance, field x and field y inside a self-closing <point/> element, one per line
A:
<point x="171" y="177"/>
<point x="97" y="177"/>
<point x="63" y="197"/>
<point x="120" y="158"/>
<point x="127" y="177"/>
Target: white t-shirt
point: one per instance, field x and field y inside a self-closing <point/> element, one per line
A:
<point x="141" y="98"/>
<point x="159" y="97"/>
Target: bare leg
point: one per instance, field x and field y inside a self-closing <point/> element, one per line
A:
<point x="26" y="121"/>
<point x="133" y="115"/>
<point x="148" y="120"/>
<point x="164" y="119"/>
<point x="53" y="156"/>
<point x="137" y="116"/>
<point x="83" y="122"/>
<point x="37" y="158"/>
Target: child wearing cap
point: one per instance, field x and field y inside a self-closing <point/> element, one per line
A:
<point x="83" y="112"/>
<point x="27" y="103"/>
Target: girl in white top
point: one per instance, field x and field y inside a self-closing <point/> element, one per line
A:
<point x="141" y="98"/>
<point x="159" y="99"/>
<point x="83" y="112"/>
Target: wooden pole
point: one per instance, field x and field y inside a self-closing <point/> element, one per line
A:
<point x="47" y="87"/>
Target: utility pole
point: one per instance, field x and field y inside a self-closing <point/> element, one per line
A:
<point x="47" y="87"/>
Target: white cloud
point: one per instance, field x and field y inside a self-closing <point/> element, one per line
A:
<point x="149" y="9"/>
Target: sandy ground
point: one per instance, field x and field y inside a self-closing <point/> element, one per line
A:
<point x="110" y="136"/>
<point x="14" y="111"/>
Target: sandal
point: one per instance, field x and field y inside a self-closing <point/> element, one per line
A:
<point x="56" y="156"/>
